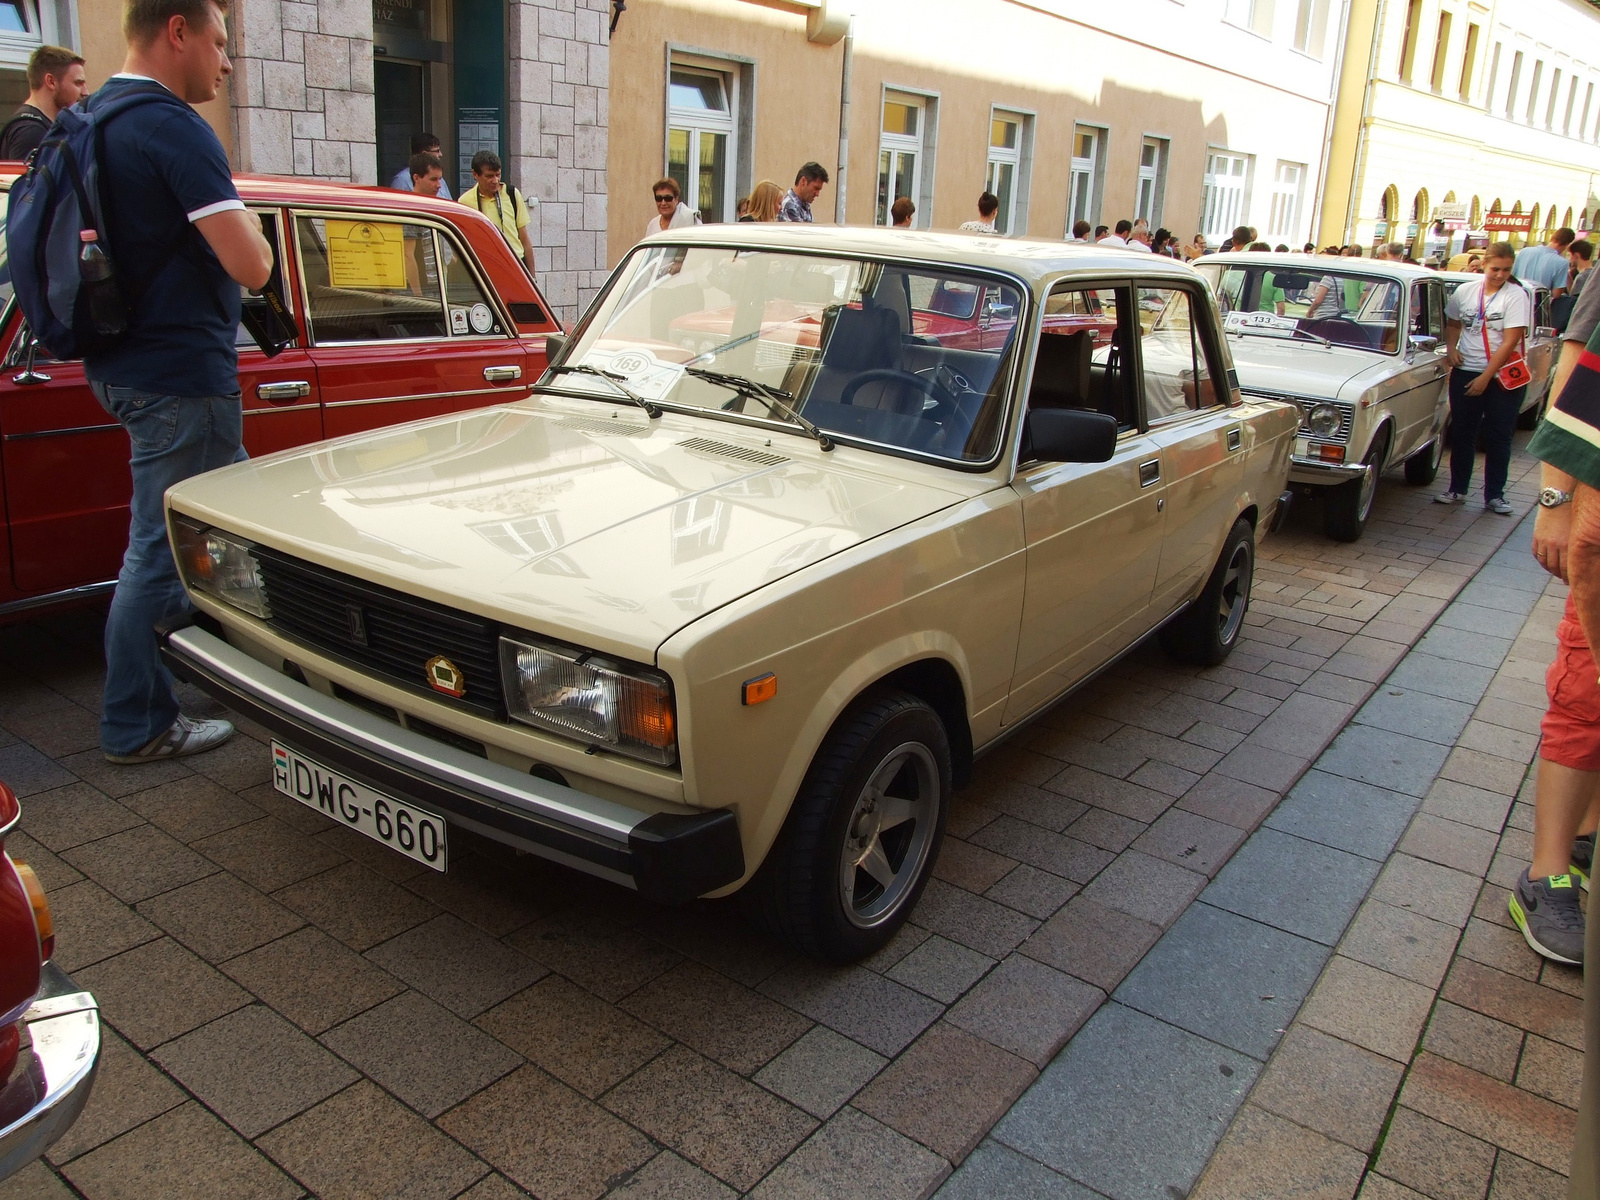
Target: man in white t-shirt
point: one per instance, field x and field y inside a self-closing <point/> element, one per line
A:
<point x="1484" y="327"/>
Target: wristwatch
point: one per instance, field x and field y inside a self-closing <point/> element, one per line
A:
<point x="1553" y="497"/>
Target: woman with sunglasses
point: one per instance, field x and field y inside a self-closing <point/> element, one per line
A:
<point x="671" y="213"/>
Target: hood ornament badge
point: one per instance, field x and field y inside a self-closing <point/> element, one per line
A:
<point x="444" y="676"/>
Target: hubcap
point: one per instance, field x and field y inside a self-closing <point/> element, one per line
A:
<point x="1235" y="596"/>
<point x="1369" y="486"/>
<point x="888" y="835"/>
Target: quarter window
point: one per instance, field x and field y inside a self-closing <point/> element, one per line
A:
<point x="249" y="301"/>
<point x="700" y="135"/>
<point x="1177" y="377"/>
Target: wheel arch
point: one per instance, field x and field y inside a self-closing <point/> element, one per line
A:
<point x="936" y="683"/>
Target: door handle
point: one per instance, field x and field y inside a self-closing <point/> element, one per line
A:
<point x="288" y="389"/>
<point x="1235" y="438"/>
<point x="1149" y="472"/>
<point x="502" y="374"/>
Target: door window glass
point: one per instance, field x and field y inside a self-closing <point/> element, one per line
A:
<point x="1082" y="360"/>
<point x="370" y="280"/>
<point x="251" y="302"/>
<point x="471" y="313"/>
<point x="1177" y="378"/>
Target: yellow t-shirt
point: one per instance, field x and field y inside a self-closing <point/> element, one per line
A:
<point x="506" y="208"/>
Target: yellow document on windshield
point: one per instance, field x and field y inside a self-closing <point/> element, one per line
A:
<point x="366" y="254"/>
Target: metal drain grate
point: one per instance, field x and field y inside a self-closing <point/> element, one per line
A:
<point x="707" y="446"/>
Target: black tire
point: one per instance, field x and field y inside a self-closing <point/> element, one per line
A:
<point x="1422" y="468"/>
<point x="1206" y="632"/>
<point x="799" y="892"/>
<point x="1347" y="507"/>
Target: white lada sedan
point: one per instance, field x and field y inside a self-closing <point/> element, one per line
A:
<point x="1358" y="346"/>
<point x="799" y="522"/>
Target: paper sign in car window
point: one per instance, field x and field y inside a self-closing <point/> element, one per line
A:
<point x="1260" y="322"/>
<point x="641" y="371"/>
<point x="366" y="254"/>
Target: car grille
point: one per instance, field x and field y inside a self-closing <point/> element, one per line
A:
<point x="385" y="633"/>
<point x="1305" y="404"/>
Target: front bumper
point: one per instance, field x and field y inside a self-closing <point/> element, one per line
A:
<point x="54" y="1073"/>
<point x="1315" y="471"/>
<point x="667" y="857"/>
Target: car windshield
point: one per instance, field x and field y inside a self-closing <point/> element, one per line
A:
<point x="910" y="357"/>
<point x="1309" y="303"/>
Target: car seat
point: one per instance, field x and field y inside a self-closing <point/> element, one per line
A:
<point x="1061" y="371"/>
<point x="862" y="339"/>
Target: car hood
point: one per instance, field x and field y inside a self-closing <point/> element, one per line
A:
<point x="1298" y="367"/>
<point x="574" y="519"/>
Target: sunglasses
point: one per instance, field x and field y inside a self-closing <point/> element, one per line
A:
<point x="663" y="198"/>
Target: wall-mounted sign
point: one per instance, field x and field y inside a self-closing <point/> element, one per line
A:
<point x="366" y="254"/>
<point x="476" y="129"/>
<point x="404" y="14"/>
<point x="1454" y="211"/>
<point x="1508" y="222"/>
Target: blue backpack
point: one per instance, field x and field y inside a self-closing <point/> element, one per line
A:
<point x="62" y="195"/>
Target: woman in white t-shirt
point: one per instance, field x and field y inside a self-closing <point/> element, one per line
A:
<point x="1484" y="327"/>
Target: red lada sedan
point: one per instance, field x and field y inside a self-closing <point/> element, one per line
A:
<point x="404" y="307"/>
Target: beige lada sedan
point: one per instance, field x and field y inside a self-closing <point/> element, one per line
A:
<point x="799" y="523"/>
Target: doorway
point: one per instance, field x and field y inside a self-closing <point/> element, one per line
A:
<point x="402" y="104"/>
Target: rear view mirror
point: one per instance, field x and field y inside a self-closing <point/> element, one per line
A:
<point x="1545" y="331"/>
<point x="555" y="345"/>
<point x="1424" y="342"/>
<point x="1068" y="435"/>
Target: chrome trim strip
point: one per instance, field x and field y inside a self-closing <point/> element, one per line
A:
<point x="280" y="408"/>
<point x="1335" y="472"/>
<point x="412" y="752"/>
<point x="420" y="396"/>
<point x="85" y="592"/>
<point x="40" y="433"/>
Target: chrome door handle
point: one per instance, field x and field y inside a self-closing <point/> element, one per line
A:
<point x="502" y="374"/>
<point x="288" y="389"/>
<point x="1235" y="438"/>
<point x="1149" y="472"/>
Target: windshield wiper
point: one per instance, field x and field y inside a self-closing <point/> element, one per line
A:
<point x="615" y="381"/>
<point x="774" y="398"/>
<point x="1315" y="337"/>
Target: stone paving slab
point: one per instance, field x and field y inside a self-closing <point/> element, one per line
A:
<point x="512" y="1028"/>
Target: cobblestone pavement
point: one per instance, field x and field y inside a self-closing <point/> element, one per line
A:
<point x="1437" y="1055"/>
<point x="294" y="1009"/>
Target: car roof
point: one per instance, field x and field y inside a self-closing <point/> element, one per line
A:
<point x="1034" y="260"/>
<point x="1322" y="262"/>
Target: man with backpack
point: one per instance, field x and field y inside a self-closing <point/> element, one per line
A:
<point x="159" y="352"/>
<point x="501" y="203"/>
<point x="55" y="81"/>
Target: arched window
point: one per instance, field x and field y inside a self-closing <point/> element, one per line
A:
<point x="1567" y="219"/>
<point x="1475" y="213"/>
<point x="1390" y="208"/>
<point x="1449" y="197"/>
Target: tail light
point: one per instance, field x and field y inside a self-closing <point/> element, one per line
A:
<point x="41" y="910"/>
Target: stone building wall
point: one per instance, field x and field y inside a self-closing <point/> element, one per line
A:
<point x="302" y="89"/>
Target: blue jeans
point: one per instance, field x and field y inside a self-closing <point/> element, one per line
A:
<point x="1495" y="412"/>
<point x="173" y="437"/>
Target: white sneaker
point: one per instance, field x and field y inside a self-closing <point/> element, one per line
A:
<point x="184" y="737"/>
<point x="1499" y="505"/>
<point x="1449" y="498"/>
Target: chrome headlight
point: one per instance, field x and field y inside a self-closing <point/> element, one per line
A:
<point x="219" y="564"/>
<point x="1323" y="420"/>
<point x="584" y="696"/>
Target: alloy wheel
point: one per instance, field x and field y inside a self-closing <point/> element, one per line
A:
<point x="1234" y="598"/>
<point x="889" y="834"/>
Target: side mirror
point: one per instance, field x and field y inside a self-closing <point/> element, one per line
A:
<point x="994" y="310"/>
<point x="1068" y="435"/>
<point x="1424" y="342"/>
<point x="555" y="345"/>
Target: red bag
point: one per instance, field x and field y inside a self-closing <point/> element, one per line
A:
<point x="1514" y="374"/>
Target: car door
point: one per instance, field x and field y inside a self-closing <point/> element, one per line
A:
<point x="1093" y="530"/>
<point x="1200" y="438"/>
<point x="1419" y="387"/>
<point x="67" y="483"/>
<point x="1543" y="349"/>
<point x="282" y="407"/>
<point x="403" y="325"/>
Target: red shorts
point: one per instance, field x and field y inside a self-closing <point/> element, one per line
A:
<point x="1571" y="725"/>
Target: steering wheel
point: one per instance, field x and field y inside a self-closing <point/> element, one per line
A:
<point x="931" y="387"/>
<point x="1325" y="326"/>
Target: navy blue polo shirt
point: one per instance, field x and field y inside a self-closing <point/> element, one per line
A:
<point x="163" y="170"/>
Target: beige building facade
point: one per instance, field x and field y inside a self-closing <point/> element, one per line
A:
<point x="1450" y="110"/>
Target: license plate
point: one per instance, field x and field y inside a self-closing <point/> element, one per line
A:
<point x="406" y="830"/>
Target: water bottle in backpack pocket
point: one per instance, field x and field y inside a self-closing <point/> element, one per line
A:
<point x="63" y="266"/>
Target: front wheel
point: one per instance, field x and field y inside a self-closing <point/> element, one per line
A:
<point x="861" y="840"/>
<point x="1206" y="632"/>
<point x="1345" y="511"/>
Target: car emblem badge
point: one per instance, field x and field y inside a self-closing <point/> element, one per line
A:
<point x="357" y="622"/>
<point x="444" y="676"/>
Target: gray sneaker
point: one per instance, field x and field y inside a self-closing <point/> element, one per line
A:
<point x="1547" y="912"/>
<point x="1499" y="505"/>
<point x="1583" y="859"/>
<point x="1449" y="498"/>
<point x="184" y="737"/>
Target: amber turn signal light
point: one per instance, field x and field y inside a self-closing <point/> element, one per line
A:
<point x="1330" y="453"/>
<point x="41" y="910"/>
<point x="759" y="689"/>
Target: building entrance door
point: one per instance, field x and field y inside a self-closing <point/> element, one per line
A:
<point x="402" y="109"/>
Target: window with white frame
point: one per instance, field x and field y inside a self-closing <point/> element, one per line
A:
<point x="1088" y="153"/>
<point x="25" y="25"/>
<point x="902" y="149"/>
<point x="1311" y="27"/>
<point x="1222" y="195"/>
<point x="1254" y="15"/>
<point x="1287" y="188"/>
<point x="702" y="106"/>
<point x="1152" y="180"/>
<point x="1010" y="155"/>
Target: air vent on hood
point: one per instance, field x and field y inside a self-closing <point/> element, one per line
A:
<point x="605" y="428"/>
<point x="707" y="446"/>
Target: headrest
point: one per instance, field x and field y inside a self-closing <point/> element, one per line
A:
<point x="863" y="339"/>
<point x="1061" y="370"/>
